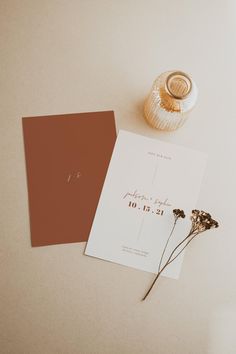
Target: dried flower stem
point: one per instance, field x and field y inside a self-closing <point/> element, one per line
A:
<point x="167" y="242"/>
<point x="201" y="221"/>
<point x="178" y="213"/>
<point x="169" y="260"/>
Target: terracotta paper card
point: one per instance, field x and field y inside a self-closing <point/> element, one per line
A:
<point x="146" y="180"/>
<point x="67" y="157"/>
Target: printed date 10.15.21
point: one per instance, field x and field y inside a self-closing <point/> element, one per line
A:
<point x="146" y="208"/>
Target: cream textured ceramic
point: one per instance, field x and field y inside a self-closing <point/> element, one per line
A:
<point x="172" y="96"/>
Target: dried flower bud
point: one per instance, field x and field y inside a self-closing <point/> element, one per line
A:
<point x="202" y="221"/>
<point x="178" y="213"/>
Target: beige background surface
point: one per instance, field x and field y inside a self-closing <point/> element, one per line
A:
<point x="75" y="56"/>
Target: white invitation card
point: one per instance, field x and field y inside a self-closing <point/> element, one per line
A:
<point x="146" y="180"/>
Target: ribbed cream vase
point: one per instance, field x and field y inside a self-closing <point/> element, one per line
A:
<point x="165" y="111"/>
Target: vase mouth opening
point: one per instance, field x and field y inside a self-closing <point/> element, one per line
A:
<point x="178" y="84"/>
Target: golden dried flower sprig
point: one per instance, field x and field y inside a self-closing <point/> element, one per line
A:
<point x="201" y="221"/>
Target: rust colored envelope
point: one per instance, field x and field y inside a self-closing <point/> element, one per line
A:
<point x="67" y="157"/>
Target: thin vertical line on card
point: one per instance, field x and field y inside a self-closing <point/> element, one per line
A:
<point x="152" y="183"/>
<point x="155" y="172"/>
<point x="140" y="228"/>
